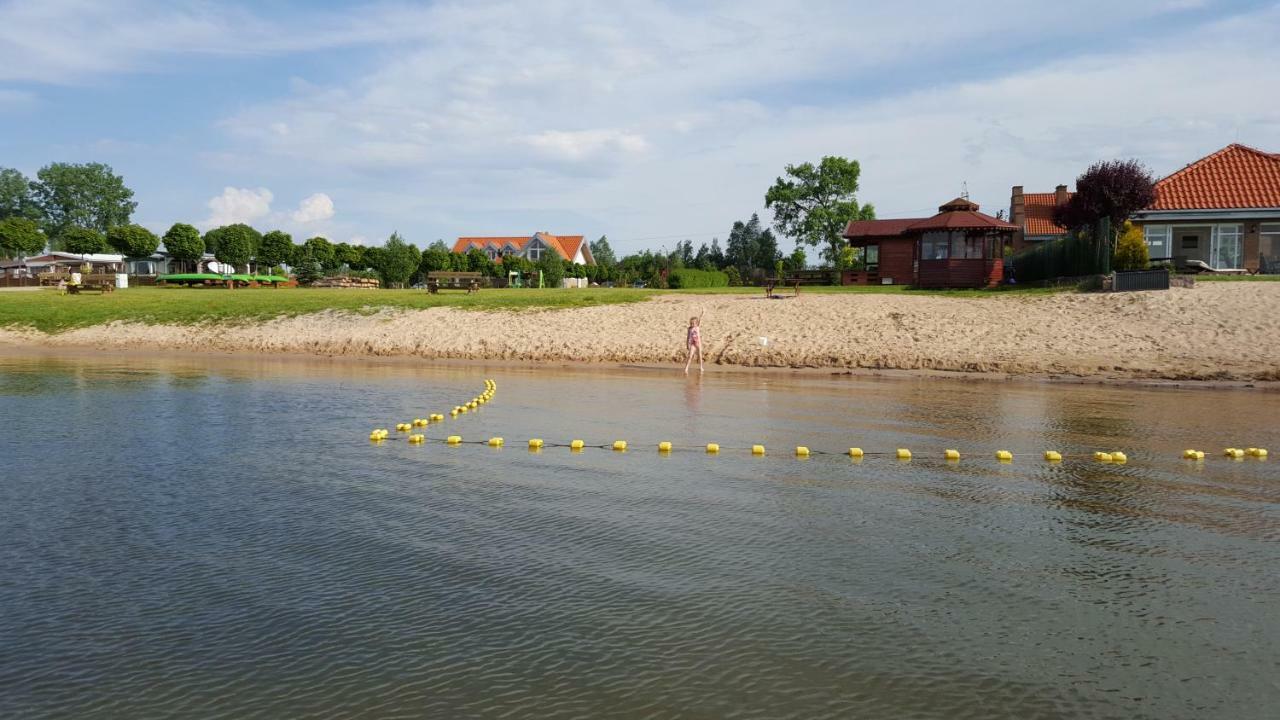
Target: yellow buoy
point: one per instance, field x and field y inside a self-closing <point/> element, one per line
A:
<point x="416" y="439"/>
<point x="757" y="449"/>
<point x="903" y="454"/>
<point x="856" y="452"/>
<point x="713" y="448"/>
<point x="375" y="436"/>
<point x="1004" y="456"/>
<point x="619" y="445"/>
<point x="462" y="409"/>
<point x="1102" y="457"/>
<point x="576" y="445"/>
<point x="1260" y="452"/>
<point x="535" y="444"/>
<point x="664" y="446"/>
<point x="1189" y="454"/>
<point x="495" y="442"/>
<point x="1053" y="456"/>
<point x="454" y="439"/>
<point x="1119" y="457"/>
<point x="802" y="451"/>
<point x="951" y="454"/>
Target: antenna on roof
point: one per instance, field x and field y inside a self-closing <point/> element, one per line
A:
<point x="964" y="192"/>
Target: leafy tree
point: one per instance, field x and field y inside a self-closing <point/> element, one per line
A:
<point x="439" y="244"/>
<point x="395" y="261"/>
<point x="243" y="240"/>
<point x="435" y="259"/>
<point x="20" y="237"/>
<point x="89" y="195"/>
<point x="1131" y="249"/>
<point x="602" y="253"/>
<point x="735" y="278"/>
<point x="132" y="240"/>
<point x="797" y="259"/>
<point x="684" y="250"/>
<point x="307" y="271"/>
<point x="82" y="241"/>
<point x="848" y="259"/>
<point x="350" y="255"/>
<point x="715" y="255"/>
<point x="276" y="248"/>
<point x="15" y="196"/>
<point x="552" y="268"/>
<point x="1114" y="190"/>
<point x="815" y="203"/>
<point x="320" y="250"/>
<point x="234" y="245"/>
<point x="751" y="246"/>
<point x="183" y="242"/>
<point x="478" y="261"/>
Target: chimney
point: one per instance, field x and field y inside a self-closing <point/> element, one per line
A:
<point x="1017" y="207"/>
<point x="1060" y="195"/>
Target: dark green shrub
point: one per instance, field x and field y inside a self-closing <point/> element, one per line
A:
<point x="690" y="278"/>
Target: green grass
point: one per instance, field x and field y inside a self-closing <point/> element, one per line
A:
<point x="874" y="290"/>
<point x="47" y="311"/>
<point x="1208" y="277"/>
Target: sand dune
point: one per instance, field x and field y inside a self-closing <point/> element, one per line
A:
<point x="1216" y="331"/>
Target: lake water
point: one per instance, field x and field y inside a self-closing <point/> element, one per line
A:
<point x="218" y="538"/>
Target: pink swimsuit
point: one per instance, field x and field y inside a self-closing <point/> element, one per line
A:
<point x="695" y="336"/>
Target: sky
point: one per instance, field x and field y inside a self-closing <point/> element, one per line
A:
<point x="651" y="122"/>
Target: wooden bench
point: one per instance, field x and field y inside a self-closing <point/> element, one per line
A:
<point x="793" y="282"/>
<point x="469" y="281"/>
<point x="102" y="288"/>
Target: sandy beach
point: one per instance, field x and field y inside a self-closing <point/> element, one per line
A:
<point x="1216" y="331"/>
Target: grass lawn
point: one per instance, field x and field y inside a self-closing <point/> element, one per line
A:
<point x="48" y="311"/>
<point x="1209" y="277"/>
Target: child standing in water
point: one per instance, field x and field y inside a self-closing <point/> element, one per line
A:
<point x="694" y="340"/>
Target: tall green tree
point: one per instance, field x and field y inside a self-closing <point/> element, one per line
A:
<point x="234" y="245"/>
<point x="814" y="203"/>
<point x="320" y="250"/>
<point x="602" y="253"/>
<point x="15" y="196"/>
<point x="132" y="240"/>
<point x="439" y="245"/>
<point x="552" y="267"/>
<point x="751" y="246"/>
<point x="88" y="195"/>
<point x="275" y="249"/>
<point x="20" y="237"/>
<point x="183" y="242"/>
<point x="82" y="241"/>
<point x="347" y="254"/>
<point x="396" y="261"/>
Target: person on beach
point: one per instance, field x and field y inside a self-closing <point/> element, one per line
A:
<point x="693" y="339"/>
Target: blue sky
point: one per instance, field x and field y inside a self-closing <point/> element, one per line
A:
<point x="647" y="121"/>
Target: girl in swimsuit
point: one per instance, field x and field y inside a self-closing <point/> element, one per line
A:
<point x="694" y="340"/>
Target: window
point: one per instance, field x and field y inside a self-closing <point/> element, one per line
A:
<point x="968" y="246"/>
<point x="534" y="253"/>
<point x="871" y="256"/>
<point x="1157" y="237"/>
<point x="935" y="245"/>
<point x="1269" y="247"/>
<point x="1226" y="248"/>
<point x="1190" y="242"/>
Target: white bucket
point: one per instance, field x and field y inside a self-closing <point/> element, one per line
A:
<point x="122" y="281"/>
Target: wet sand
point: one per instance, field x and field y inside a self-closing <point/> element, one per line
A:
<point x="1215" y="332"/>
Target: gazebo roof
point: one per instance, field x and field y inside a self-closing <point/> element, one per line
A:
<point x="961" y="214"/>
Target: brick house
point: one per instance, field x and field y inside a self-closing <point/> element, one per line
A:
<point x="533" y="247"/>
<point x="1033" y="214"/>
<point x="1222" y="210"/>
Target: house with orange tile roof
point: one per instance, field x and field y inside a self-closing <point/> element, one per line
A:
<point x="1222" y="210"/>
<point x="533" y="247"/>
<point x="1033" y="214"/>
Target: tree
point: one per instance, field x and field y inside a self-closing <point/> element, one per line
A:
<point x="797" y="259"/>
<point x="552" y="269"/>
<point x="132" y="240"/>
<point x="15" y="196"/>
<point x="1114" y="190"/>
<point x="20" y="237"/>
<point x="275" y="249"/>
<point x="395" y="261"/>
<point x="435" y="259"/>
<point x="320" y="250"/>
<point x="243" y="240"/>
<point x="478" y="261"/>
<point x="602" y="253"/>
<point x="234" y="245"/>
<point x="715" y="255"/>
<point x="815" y="204"/>
<point x="1131" y="249"/>
<point x="82" y="241"/>
<point x="684" y="250"/>
<point x="89" y="195"/>
<point x="347" y="254"/>
<point x="750" y="246"/>
<point x="183" y="242"/>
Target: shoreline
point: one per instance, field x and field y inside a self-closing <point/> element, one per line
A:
<point x="1212" y="336"/>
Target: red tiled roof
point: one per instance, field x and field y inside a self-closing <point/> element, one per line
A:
<point x="878" y="228"/>
<point x="961" y="214"/>
<point x="566" y="245"/>
<point x="1039" y="213"/>
<point x="1236" y="176"/>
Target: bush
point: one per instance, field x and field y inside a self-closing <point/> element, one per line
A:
<point x="133" y="240"/>
<point x="732" y="277"/>
<point x="308" y="271"/>
<point x="689" y="278"/>
<point x="1131" y="249"/>
<point x="552" y="269"/>
<point x="82" y="241"/>
<point x="1076" y="255"/>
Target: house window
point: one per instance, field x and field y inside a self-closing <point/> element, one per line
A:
<point x="935" y="245"/>
<point x="1190" y="242"/>
<point x="967" y="246"/>
<point x="1269" y="248"/>
<point x="871" y="257"/>
<point x="1226" y="248"/>
<point x="1158" y="241"/>
<point x="534" y="254"/>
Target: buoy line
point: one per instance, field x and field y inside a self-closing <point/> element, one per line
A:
<point x="950" y="455"/>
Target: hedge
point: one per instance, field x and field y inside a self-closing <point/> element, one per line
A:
<point x="1071" y="256"/>
<point x="690" y="278"/>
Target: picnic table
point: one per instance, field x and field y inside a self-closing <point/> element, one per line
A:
<point x="469" y="281"/>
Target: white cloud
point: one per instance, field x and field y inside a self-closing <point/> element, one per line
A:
<point x="358" y="240"/>
<point x="313" y="209"/>
<point x="585" y="144"/>
<point x="238" y="205"/>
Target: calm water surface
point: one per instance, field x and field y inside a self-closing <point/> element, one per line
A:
<point x="218" y="538"/>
